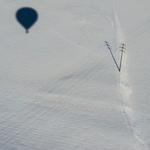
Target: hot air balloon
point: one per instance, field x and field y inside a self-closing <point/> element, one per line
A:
<point x="26" y="16"/>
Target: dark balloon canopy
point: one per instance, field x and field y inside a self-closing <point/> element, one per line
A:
<point x="26" y="16"/>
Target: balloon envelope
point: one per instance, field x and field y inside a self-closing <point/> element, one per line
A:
<point x="26" y="17"/>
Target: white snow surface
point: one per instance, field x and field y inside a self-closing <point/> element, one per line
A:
<point x="59" y="86"/>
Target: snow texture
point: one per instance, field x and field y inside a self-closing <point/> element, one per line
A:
<point x="59" y="86"/>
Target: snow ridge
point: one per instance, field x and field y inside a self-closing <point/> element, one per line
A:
<point x="125" y="91"/>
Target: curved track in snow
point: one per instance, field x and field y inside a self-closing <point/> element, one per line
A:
<point x="125" y="90"/>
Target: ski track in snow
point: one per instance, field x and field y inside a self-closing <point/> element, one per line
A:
<point x="125" y="91"/>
